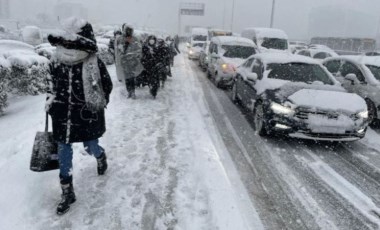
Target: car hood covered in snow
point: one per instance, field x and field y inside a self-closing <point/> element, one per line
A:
<point x="328" y="100"/>
<point x="234" y="61"/>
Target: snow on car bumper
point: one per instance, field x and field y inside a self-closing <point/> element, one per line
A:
<point x="225" y="79"/>
<point x="299" y="128"/>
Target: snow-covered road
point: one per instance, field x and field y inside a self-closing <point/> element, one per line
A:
<point x="168" y="167"/>
<point x="189" y="160"/>
<point x="299" y="184"/>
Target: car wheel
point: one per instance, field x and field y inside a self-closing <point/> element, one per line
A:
<point x="234" y="96"/>
<point x="208" y="74"/>
<point x="260" y="120"/>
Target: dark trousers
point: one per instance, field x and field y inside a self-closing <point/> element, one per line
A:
<point x="130" y="84"/>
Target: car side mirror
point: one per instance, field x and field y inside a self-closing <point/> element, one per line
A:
<point x="187" y="45"/>
<point x="252" y="77"/>
<point x="352" y="78"/>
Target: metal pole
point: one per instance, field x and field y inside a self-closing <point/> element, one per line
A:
<point x="224" y="14"/>
<point x="179" y="21"/>
<point x="272" y="15"/>
<point x="233" y="15"/>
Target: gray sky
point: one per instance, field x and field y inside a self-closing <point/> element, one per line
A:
<point x="291" y="15"/>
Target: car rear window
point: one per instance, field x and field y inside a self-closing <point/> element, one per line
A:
<point x="299" y="72"/>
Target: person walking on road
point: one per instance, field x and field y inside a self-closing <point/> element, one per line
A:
<point x="128" y="53"/>
<point x="111" y="45"/>
<point x="79" y="91"/>
<point x="150" y="60"/>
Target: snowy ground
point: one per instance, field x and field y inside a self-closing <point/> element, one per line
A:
<point x="189" y="160"/>
<point x="168" y="167"/>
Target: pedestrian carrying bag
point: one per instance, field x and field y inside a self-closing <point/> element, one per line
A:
<point x="45" y="151"/>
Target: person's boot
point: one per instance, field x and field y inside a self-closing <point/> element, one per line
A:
<point x="102" y="164"/>
<point x="67" y="198"/>
<point x="129" y="94"/>
<point x="133" y="95"/>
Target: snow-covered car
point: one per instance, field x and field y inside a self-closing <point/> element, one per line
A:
<point x="296" y="96"/>
<point x="28" y="69"/>
<point x="360" y="75"/>
<point x="45" y="50"/>
<point x="267" y="39"/>
<point x="373" y="53"/>
<point x="203" y="56"/>
<point x="194" y="50"/>
<point x="320" y="47"/>
<point x="319" y="54"/>
<point x="226" y="53"/>
<point x="32" y="35"/>
<point x="294" y="46"/>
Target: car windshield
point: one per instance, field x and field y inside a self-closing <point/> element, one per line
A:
<point x="275" y="43"/>
<point x="198" y="45"/>
<point x="375" y="71"/>
<point x="299" y="72"/>
<point x="238" y="51"/>
<point x="202" y="38"/>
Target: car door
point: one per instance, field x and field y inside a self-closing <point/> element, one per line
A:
<point x="333" y="66"/>
<point x="213" y="60"/>
<point x="350" y="68"/>
<point x="240" y="83"/>
<point x="250" y="93"/>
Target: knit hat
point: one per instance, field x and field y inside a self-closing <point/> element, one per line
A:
<point x="78" y="34"/>
<point x="127" y="30"/>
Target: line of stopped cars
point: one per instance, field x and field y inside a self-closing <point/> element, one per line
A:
<point x="316" y="95"/>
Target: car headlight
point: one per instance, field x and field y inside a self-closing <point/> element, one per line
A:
<point x="228" y="67"/>
<point x="363" y="114"/>
<point x="280" y="109"/>
<point x="191" y="52"/>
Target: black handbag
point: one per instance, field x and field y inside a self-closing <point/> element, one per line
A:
<point x="45" y="151"/>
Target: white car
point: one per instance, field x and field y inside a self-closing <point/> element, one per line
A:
<point x="226" y="53"/>
<point x="268" y="39"/>
<point x="317" y="53"/>
<point x="32" y="35"/>
<point x="296" y="96"/>
<point x="360" y="75"/>
<point x="194" y="50"/>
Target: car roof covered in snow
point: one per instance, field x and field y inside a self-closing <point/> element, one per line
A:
<point x="231" y="40"/>
<point x="360" y="59"/>
<point x="314" y="51"/>
<point x="268" y="33"/>
<point x="199" y="31"/>
<point x="283" y="58"/>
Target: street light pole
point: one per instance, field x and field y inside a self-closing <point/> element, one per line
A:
<point x="233" y="15"/>
<point x="272" y="15"/>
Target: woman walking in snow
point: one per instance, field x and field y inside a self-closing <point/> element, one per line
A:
<point x="150" y="60"/>
<point x="127" y="59"/>
<point x="79" y="90"/>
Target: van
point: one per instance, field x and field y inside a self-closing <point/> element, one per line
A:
<point x="267" y="39"/>
<point x="199" y="35"/>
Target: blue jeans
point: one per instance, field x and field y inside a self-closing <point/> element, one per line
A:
<point x="65" y="157"/>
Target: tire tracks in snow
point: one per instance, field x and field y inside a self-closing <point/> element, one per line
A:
<point x="334" y="211"/>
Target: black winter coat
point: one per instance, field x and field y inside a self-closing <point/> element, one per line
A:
<point x="72" y="121"/>
<point x="149" y="59"/>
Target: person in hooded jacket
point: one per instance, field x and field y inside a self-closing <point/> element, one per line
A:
<point x="150" y="60"/>
<point x="79" y="90"/>
<point x="111" y="45"/>
<point x="163" y="55"/>
<point x="128" y="53"/>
